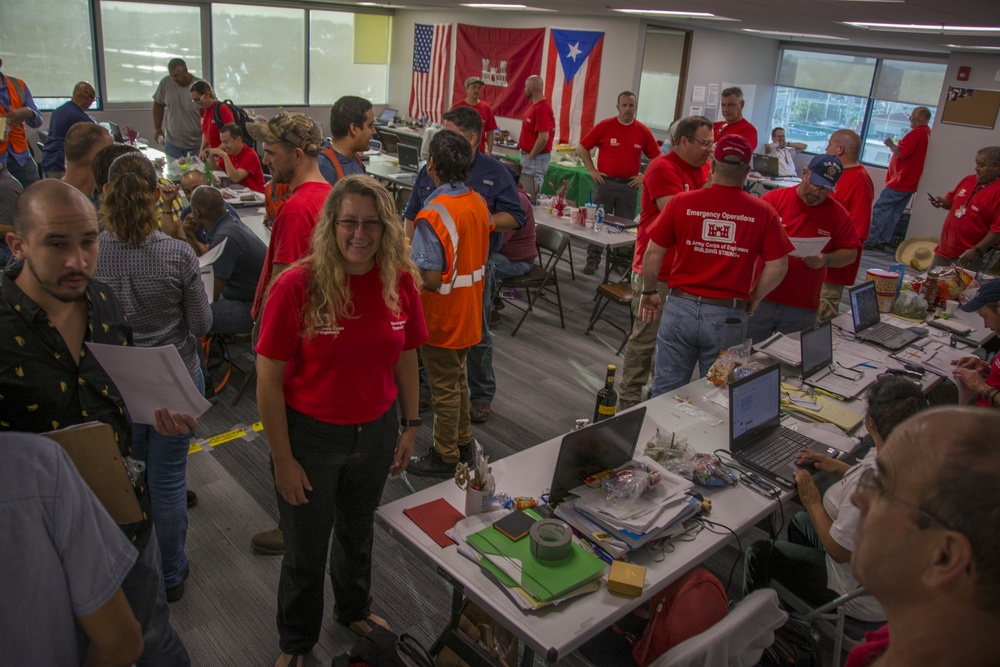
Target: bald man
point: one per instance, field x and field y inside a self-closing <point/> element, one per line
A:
<point x="856" y="192"/>
<point x="926" y="545"/>
<point x="49" y="308"/>
<point x="63" y="118"/>
<point x="538" y="128"/>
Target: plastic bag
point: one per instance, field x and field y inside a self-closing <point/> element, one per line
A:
<point x="628" y="483"/>
<point x="703" y="469"/>
<point x="666" y="445"/>
<point x="721" y="372"/>
<point x="910" y="304"/>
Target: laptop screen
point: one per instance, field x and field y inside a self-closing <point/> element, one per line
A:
<point x="754" y="406"/>
<point x="115" y="131"/>
<point x="765" y="164"/>
<point x="409" y="156"/>
<point x="864" y="306"/>
<point x="817" y="348"/>
<point x="605" y="445"/>
<point x="388" y="115"/>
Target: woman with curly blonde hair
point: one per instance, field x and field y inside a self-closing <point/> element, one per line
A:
<point x="156" y="279"/>
<point x="338" y="345"/>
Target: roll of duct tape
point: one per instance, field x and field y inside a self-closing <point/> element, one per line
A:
<point x="550" y="539"/>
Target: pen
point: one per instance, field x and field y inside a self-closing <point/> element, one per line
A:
<point x="827" y="393"/>
<point x="601" y="553"/>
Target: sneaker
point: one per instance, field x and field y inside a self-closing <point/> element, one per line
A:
<point x="177" y="592"/>
<point x="192" y="499"/>
<point x="590" y="269"/>
<point x="480" y="412"/>
<point x="425" y="402"/>
<point x="431" y="465"/>
<point x="269" y="543"/>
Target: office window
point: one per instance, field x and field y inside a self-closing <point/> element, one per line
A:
<point x="140" y="39"/>
<point x="348" y="55"/>
<point x="48" y="44"/>
<point x="819" y="93"/>
<point x="660" y="81"/>
<point x="258" y="54"/>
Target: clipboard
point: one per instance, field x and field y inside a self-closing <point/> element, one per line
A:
<point x="95" y="454"/>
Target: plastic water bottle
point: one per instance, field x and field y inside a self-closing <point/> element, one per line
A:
<point x="599" y="219"/>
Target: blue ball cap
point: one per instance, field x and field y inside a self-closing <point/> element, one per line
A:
<point x="988" y="293"/>
<point x="825" y="171"/>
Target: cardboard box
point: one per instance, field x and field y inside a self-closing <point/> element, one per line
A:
<point x="626" y="579"/>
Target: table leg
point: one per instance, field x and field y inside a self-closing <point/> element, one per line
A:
<point x="458" y="641"/>
<point x="607" y="263"/>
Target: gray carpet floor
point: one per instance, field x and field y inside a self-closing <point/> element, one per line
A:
<point x="546" y="378"/>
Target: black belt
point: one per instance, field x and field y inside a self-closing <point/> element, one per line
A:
<point x="737" y="304"/>
<point x="614" y="179"/>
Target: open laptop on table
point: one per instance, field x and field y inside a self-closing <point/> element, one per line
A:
<point x="756" y="437"/>
<point x="387" y="116"/>
<point x="116" y="132"/>
<point x="818" y="369"/>
<point x="868" y="324"/>
<point x="765" y="165"/>
<point x="605" y="445"/>
<point x="409" y="157"/>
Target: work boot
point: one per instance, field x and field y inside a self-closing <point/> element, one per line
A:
<point x="269" y="543"/>
<point x="431" y="465"/>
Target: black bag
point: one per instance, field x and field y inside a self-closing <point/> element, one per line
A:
<point x="794" y="644"/>
<point x="382" y="648"/>
<point x="240" y="117"/>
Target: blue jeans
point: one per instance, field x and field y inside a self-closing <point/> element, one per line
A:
<point x="26" y="173"/>
<point x="771" y="317"/>
<point x="231" y="317"/>
<point x="693" y="333"/>
<point x="177" y="151"/>
<point x="166" y="480"/>
<point x="503" y="268"/>
<point x="479" y="363"/>
<point x="889" y="207"/>
<point x="536" y="167"/>
<point x="143" y="588"/>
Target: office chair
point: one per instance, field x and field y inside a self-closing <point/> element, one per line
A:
<point x="831" y="619"/>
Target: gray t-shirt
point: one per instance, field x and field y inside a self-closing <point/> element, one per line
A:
<point x="61" y="555"/>
<point x="182" y="118"/>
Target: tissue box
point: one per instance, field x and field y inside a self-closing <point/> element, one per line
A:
<point x="626" y="579"/>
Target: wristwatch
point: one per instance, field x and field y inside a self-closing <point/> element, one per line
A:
<point x="406" y="423"/>
<point x="648" y="292"/>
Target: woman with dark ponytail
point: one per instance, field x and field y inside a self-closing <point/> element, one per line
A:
<point x="203" y="96"/>
<point x="156" y="279"/>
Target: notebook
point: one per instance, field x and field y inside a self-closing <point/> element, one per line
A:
<point x="409" y="157"/>
<point x="818" y="369"/>
<point x="868" y="324"/>
<point x="765" y="165"/>
<point x="756" y="437"/>
<point x="605" y="445"/>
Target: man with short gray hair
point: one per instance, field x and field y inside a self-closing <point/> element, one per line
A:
<point x="731" y="102"/>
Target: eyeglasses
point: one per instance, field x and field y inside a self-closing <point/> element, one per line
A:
<point x="870" y="481"/>
<point x="197" y="99"/>
<point x="371" y="226"/>
<point x="706" y="143"/>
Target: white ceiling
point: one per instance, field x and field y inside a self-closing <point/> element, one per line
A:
<point x="797" y="16"/>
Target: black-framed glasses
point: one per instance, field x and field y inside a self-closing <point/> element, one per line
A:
<point x="871" y="481"/>
<point x="370" y="226"/>
<point x="851" y="373"/>
<point x="704" y="142"/>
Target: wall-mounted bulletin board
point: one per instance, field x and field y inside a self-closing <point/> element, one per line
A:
<point x="972" y="107"/>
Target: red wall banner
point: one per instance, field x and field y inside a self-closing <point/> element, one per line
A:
<point x="503" y="58"/>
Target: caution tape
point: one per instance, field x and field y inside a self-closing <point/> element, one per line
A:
<point x="216" y="440"/>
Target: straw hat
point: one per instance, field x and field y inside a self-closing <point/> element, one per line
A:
<point x="917" y="252"/>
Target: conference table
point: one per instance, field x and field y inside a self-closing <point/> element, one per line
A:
<point x="697" y="412"/>
<point x="387" y="170"/>
<point x="610" y="237"/>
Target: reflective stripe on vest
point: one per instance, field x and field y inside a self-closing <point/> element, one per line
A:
<point x="15" y="135"/>
<point x="456" y="280"/>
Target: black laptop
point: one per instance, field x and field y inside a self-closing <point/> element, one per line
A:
<point x="868" y="324"/>
<point x="409" y="157"/>
<point x="605" y="445"/>
<point x="116" y="132"/>
<point x="756" y="437"/>
<point x="818" y="369"/>
<point x="765" y="165"/>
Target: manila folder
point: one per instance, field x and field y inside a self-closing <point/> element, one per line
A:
<point x="95" y="454"/>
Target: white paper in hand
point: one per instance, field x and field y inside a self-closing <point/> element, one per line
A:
<point x="808" y="247"/>
<point x="150" y="378"/>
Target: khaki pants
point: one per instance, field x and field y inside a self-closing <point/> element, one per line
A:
<point x="640" y="347"/>
<point x="450" y="398"/>
<point x="829" y="302"/>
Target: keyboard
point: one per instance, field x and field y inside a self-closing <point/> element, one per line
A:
<point x="880" y="333"/>
<point x="777" y="448"/>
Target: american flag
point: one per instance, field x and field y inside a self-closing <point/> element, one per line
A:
<point x="431" y="51"/>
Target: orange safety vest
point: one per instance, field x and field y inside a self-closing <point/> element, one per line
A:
<point x="16" y="137"/>
<point x="332" y="157"/>
<point x="454" y="314"/>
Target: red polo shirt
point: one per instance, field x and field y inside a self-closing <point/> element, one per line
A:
<point x="742" y="127"/>
<point x="248" y="160"/>
<point x="620" y="146"/>
<point x="856" y="193"/>
<point x="973" y="215"/>
<point x="539" y="118"/>
<point x="907" y="162"/>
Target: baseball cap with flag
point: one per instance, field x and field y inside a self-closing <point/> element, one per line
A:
<point x="825" y="171"/>
<point x="733" y="149"/>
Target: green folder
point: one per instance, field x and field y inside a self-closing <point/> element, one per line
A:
<point x="543" y="579"/>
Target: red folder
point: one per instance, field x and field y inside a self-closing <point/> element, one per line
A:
<point x="434" y="518"/>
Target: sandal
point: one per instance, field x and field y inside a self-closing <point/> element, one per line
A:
<point x="363" y="627"/>
<point x="286" y="660"/>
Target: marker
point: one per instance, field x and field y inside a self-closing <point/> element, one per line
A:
<point x="827" y="393"/>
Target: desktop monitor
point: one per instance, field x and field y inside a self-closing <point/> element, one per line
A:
<point x="602" y="446"/>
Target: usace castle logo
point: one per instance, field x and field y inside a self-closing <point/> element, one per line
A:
<point x="720" y="231"/>
<point x="494" y="76"/>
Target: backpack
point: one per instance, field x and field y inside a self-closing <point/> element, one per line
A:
<point x="794" y="645"/>
<point x="240" y="117"/>
<point x="685" y="608"/>
<point x="382" y="648"/>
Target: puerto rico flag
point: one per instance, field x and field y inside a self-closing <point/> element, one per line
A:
<point x="429" y="86"/>
<point x="572" y="76"/>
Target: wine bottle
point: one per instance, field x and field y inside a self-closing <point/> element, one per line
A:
<point x="607" y="397"/>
